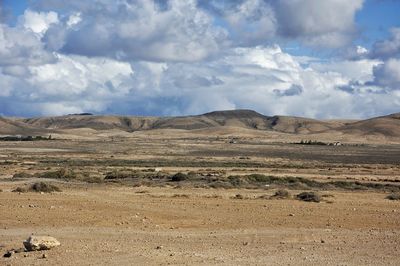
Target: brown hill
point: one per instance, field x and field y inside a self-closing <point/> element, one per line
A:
<point x="236" y="118"/>
<point x="245" y="119"/>
<point x="13" y="127"/>
<point x="388" y="126"/>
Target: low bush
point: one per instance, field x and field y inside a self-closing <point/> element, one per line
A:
<point x="393" y="196"/>
<point x="44" y="187"/>
<point x="179" y="177"/>
<point x="21" y="175"/>
<point x="38" y="187"/>
<point x="20" y="190"/>
<point x="309" y="197"/>
<point x="281" y="194"/>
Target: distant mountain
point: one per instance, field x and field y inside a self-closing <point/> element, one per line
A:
<point x="247" y="119"/>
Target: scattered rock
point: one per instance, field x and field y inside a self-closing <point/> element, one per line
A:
<point x="40" y="243"/>
<point x="291" y="214"/>
<point x="44" y="256"/>
<point x="159" y="247"/>
<point x="8" y="254"/>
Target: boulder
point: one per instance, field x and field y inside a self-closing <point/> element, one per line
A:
<point x="40" y="243"/>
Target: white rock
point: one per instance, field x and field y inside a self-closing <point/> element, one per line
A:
<point x="40" y="243"/>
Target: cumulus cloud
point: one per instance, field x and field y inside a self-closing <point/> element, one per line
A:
<point x="262" y="78"/>
<point x="20" y="46"/>
<point x="387" y="48"/>
<point x="38" y="22"/>
<point x="320" y="23"/>
<point x="387" y="75"/>
<point x="140" y="30"/>
<point x="188" y="57"/>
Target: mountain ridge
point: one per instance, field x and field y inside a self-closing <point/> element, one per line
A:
<point x="243" y="118"/>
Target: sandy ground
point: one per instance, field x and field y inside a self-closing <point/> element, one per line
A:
<point x="115" y="224"/>
<point x="112" y="225"/>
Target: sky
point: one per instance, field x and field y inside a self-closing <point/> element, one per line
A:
<point x="320" y="59"/>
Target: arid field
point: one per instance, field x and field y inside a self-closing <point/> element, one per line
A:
<point x="217" y="196"/>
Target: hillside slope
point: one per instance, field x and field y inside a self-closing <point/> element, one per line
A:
<point x="388" y="126"/>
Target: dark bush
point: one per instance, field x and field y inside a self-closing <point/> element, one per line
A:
<point x="179" y="177"/>
<point x="309" y="197"/>
<point x="44" y="187"/>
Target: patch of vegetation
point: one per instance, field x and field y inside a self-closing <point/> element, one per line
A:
<point x="21" y="175"/>
<point x="281" y="194"/>
<point x="311" y="142"/>
<point x="24" y="138"/>
<point x="292" y="182"/>
<point x="309" y="196"/>
<point x="20" y="190"/>
<point x="61" y="173"/>
<point x="393" y="196"/>
<point x="44" y="187"/>
<point x="38" y="187"/>
<point x="179" y="177"/>
<point x="67" y="174"/>
<point x="120" y="175"/>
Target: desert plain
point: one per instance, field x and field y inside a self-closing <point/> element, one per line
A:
<point x="203" y="195"/>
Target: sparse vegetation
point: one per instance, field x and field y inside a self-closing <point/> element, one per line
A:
<point x="281" y="194"/>
<point x="311" y="142"/>
<point x="393" y="196"/>
<point x="25" y="138"/>
<point x="38" y="187"/>
<point x="179" y="177"/>
<point x="44" y="187"/>
<point x="21" y="175"/>
<point x="309" y="196"/>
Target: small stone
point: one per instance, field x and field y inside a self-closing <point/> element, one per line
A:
<point x="291" y="214"/>
<point x="159" y="247"/>
<point x="44" y="256"/>
<point x="322" y="241"/>
<point x="8" y="254"/>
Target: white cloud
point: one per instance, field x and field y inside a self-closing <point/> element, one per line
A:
<point x="38" y="22"/>
<point x="22" y="47"/>
<point x="328" y="23"/>
<point x="387" y="75"/>
<point x="388" y="48"/>
<point x="186" y="57"/>
<point x="141" y="30"/>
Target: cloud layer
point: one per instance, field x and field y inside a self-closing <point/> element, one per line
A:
<point x="188" y="57"/>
